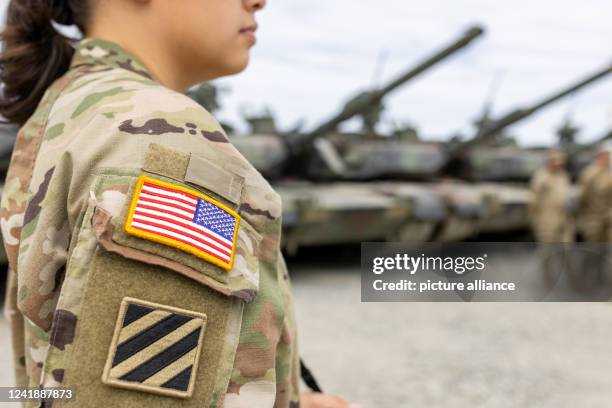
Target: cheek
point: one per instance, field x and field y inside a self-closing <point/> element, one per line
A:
<point x="216" y="46"/>
<point x="209" y="37"/>
<point x="219" y="45"/>
<point x="207" y="22"/>
<point x="205" y="35"/>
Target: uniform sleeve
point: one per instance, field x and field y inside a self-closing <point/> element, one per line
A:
<point x="42" y="255"/>
<point x="147" y="240"/>
<point x="164" y="260"/>
<point x="43" y="249"/>
<point x="537" y="182"/>
<point x="82" y="141"/>
<point x="536" y="186"/>
<point x="584" y="185"/>
<point x="152" y="301"/>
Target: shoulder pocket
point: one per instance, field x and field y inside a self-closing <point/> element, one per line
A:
<point x="183" y="229"/>
<point x="141" y="322"/>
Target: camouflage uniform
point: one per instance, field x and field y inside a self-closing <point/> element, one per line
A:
<point x="72" y="265"/>
<point x="550" y="219"/>
<point x="595" y="208"/>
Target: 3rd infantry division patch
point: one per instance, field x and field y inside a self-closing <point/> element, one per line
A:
<point x="155" y="348"/>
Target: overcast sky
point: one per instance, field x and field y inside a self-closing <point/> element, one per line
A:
<point x="312" y="55"/>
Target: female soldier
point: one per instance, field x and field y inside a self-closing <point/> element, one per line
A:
<point x="144" y="249"/>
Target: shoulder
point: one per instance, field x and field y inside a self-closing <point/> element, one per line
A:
<point x="116" y="109"/>
<point x="110" y="119"/>
<point x="115" y="96"/>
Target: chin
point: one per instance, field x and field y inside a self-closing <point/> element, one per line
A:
<point x="238" y="65"/>
<point x="224" y="67"/>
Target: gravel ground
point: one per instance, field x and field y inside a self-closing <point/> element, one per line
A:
<point x="449" y="354"/>
<point x="439" y="355"/>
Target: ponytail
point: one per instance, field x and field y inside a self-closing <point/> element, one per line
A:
<point x="34" y="53"/>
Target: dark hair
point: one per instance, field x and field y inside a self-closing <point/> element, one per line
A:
<point x="34" y="53"/>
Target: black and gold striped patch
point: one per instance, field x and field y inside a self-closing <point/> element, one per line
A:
<point x="155" y="348"/>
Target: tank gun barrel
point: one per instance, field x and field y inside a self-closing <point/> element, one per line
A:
<point x="467" y="38"/>
<point x="496" y="126"/>
<point x="362" y="102"/>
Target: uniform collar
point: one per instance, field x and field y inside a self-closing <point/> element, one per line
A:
<point x="93" y="51"/>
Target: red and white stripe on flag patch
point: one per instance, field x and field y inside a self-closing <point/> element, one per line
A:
<point x="183" y="218"/>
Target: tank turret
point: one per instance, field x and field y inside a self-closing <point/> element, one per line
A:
<point x="314" y="157"/>
<point x="494" y="127"/>
<point x="364" y="102"/>
<point x="481" y="158"/>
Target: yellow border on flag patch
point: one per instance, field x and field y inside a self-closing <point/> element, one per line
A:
<point x="171" y="242"/>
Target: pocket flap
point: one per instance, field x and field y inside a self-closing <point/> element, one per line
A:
<point x="158" y="245"/>
<point x="227" y="185"/>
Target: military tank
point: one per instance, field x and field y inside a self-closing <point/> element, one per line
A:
<point x="494" y="198"/>
<point x="501" y="167"/>
<point x="324" y="200"/>
<point x="488" y="156"/>
<point x="324" y="211"/>
<point x="306" y="154"/>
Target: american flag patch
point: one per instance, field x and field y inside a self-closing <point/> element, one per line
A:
<point x="183" y="218"/>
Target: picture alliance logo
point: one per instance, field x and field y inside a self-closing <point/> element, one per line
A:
<point x="414" y="264"/>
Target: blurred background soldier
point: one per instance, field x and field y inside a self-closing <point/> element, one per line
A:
<point x="596" y="197"/>
<point x="595" y="217"/>
<point x="548" y="210"/>
<point x="550" y="218"/>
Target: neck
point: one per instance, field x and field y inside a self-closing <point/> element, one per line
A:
<point x="152" y="54"/>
